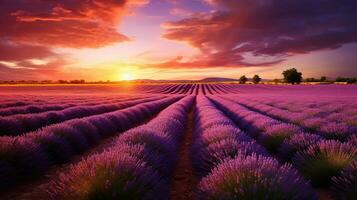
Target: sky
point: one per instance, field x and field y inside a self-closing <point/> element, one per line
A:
<point x="176" y="39"/>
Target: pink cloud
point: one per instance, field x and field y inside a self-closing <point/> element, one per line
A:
<point x="67" y="23"/>
<point x="273" y="29"/>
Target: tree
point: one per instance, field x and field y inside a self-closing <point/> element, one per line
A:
<point x="323" y="79"/>
<point x="347" y="80"/>
<point x="351" y="80"/>
<point x="311" y="80"/>
<point x="77" y="81"/>
<point x="243" y="79"/>
<point x="341" y="79"/>
<point x="62" y="81"/>
<point x="256" y="79"/>
<point x="276" y="81"/>
<point x="292" y="76"/>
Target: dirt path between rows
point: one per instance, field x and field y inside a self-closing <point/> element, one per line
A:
<point x="184" y="181"/>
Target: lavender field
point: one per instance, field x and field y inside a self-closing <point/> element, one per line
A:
<point x="178" y="141"/>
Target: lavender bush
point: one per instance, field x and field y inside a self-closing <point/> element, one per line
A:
<point x="31" y="122"/>
<point x="254" y="177"/>
<point x="320" y="162"/>
<point x="276" y="134"/>
<point x="59" y="143"/>
<point x="111" y="175"/>
<point x="219" y="141"/>
<point x="20" y="160"/>
<point x="295" y="143"/>
<point x="344" y="186"/>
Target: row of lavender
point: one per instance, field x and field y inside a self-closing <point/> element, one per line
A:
<point x="192" y="89"/>
<point x="315" y="114"/>
<point x="327" y="163"/>
<point x="137" y="164"/>
<point x="238" y="150"/>
<point x="233" y="166"/>
<point x="15" y="100"/>
<point x="330" y="119"/>
<point x="21" y="123"/>
<point x="34" y="106"/>
<point x="293" y="91"/>
<point x="32" y="154"/>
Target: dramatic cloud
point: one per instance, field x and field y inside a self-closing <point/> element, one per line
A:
<point x="32" y="29"/>
<point x="13" y="52"/>
<point x="16" y="57"/>
<point x="267" y="30"/>
<point x="27" y="70"/>
<point x="67" y="23"/>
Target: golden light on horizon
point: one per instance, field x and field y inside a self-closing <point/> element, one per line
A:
<point x="127" y="76"/>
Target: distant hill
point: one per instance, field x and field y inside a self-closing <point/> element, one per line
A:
<point x="217" y="79"/>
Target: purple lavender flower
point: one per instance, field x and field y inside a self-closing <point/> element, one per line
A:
<point x="336" y="117"/>
<point x="312" y="111"/>
<point x="111" y="175"/>
<point x="297" y="117"/>
<point x="276" y="134"/>
<point x="57" y="149"/>
<point x="344" y="186"/>
<point x="103" y="124"/>
<point x="20" y="159"/>
<point x="351" y="120"/>
<point x="10" y="126"/>
<point x="172" y="126"/>
<point x="264" y="122"/>
<point x="320" y="162"/>
<point x="254" y="177"/>
<point x="54" y="117"/>
<point x="221" y="132"/>
<point x="296" y="143"/>
<point x="121" y="121"/>
<point x="72" y="136"/>
<point x="336" y="131"/>
<point x="150" y="156"/>
<point x="152" y="141"/>
<point x="220" y="151"/>
<point x="313" y="123"/>
<point x="353" y="140"/>
<point x="89" y="131"/>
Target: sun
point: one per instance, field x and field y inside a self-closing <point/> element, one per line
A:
<point x="127" y="76"/>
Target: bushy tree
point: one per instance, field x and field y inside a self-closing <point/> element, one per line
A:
<point x="292" y="76"/>
<point x="351" y="80"/>
<point x="341" y="79"/>
<point x="243" y="79"/>
<point x="311" y="80"/>
<point x="323" y="79"/>
<point x="276" y="81"/>
<point x="347" y="80"/>
<point x="256" y="79"/>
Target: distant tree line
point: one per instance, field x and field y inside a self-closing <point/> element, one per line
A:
<point x="81" y="81"/>
<point x="290" y="76"/>
<point x="322" y="79"/>
<point x="256" y="79"/>
<point x="338" y="80"/>
<point x="293" y="76"/>
<point x="347" y="80"/>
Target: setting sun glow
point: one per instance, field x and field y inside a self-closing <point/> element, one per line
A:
<point x="127" y="76"/>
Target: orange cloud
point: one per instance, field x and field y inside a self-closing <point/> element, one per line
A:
<point x="18" y="52"/>
<point x="67" y="23"/>
<point x="31" y="29"/>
